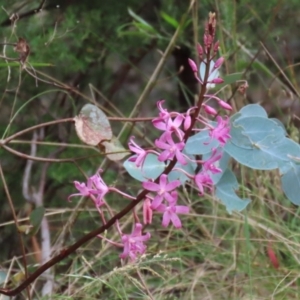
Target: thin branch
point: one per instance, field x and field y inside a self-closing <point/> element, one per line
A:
<point x="12" y="137"/>
<point x="34" y="11"/>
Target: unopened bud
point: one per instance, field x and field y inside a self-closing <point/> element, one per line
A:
<point x="219" y="63"/>
<point x="200" y="50"/>
<point x="216" y="46"/>
<point x="147" y="211"/>
<point x="225" y="105"/>
<point x="193" y="65"/>
<point x="217" y="80"/>
<point x="209" y="110"/>
<point x="205" y="40"/>
<point x="187" y="122"/>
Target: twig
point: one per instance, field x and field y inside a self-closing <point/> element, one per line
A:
<point x="8" y="21"/>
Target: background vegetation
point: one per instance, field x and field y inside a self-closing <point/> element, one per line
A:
<point x="101" y="52"/>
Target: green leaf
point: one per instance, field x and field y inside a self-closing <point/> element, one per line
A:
<point x="141" y="22"/>
<point x="230" y="79"/>
<point x="25" y="228"/>
<point x="36" y="218"/>
<point x="171" y="21"/>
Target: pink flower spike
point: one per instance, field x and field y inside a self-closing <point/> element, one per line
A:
<point x="225" y="105"/>
<point x="171" y="149"/>
<point x="193" y="65"/>
<point x="134" y="243"/>
<point x="221" y="131"/>
<point x="163" y="189"/>
<point x="209" y="165"/>
<point x="219" y="63"/>
<point x="139" y="159"/>
<point x="203" y="180"/>
<point x="209" y="110"/>
<point x="147" y="211"/>
<point x="170" y="212"/>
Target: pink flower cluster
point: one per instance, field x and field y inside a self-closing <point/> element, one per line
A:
<point x="162" y="196"/>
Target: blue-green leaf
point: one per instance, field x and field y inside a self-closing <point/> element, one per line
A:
<point x="152" y="168"/>
<point x="190" y="168"/>
<point x="225" y="191"/>
<point x="252" y="130"/>
<point x="267" y="154"/>
<point x="253" y="110"/>
<point x="290" y="182"/>
<point x="200" y="143"/>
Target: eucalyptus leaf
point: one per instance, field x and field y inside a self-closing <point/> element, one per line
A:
<point x="253" y="110"/>
<point x="247" y="131"/>
<point x="189" y="168"/>
<point x="290" y="182"/>
<point x="200" y="143"/>
<point x="92" y="125"/>
<point x="225" y="191"/>
<point x="114" y="150"/>
<point x="151" y="169"/>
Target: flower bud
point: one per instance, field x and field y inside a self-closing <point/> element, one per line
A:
<point x="209" y="110"/>
<point x="217" y="80"/>
<point x="147" y="211"/>
<point x="193" y="65"/>
<point x="225" y="105"/>
<point x="187" y="122"/>
<point x="216" y="46"/>
<point x="200" y="50"/>
<point x="219" y="63"/>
